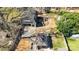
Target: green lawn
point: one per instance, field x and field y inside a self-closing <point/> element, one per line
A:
<point x="74" y="45"/>
<point x="58" y="43"/>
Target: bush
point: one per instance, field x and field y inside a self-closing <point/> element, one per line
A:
<point x="69" y="23"/>
<point x="61" y="12"/>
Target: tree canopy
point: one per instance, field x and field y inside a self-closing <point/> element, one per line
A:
<point x="69" y="24"/>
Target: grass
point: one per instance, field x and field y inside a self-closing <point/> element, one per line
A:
<point x="4" y="49"/>
<point x="58" y="43"/>
<point x="74" y="45"/>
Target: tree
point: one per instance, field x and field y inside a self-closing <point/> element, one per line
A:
<point x="68" y="25"/>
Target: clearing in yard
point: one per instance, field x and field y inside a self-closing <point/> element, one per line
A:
<point x="58" y="43"/>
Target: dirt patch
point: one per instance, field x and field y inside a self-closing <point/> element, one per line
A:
<point x="24" y="45"/>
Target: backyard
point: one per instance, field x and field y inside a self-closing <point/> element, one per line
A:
<point x="58" y="42"/>
<point x="74" y="44"/>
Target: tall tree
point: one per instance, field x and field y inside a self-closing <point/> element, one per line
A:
<point x="68" y="25"/>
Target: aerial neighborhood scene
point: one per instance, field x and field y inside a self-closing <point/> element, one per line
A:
<point x="39" y="28"/>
